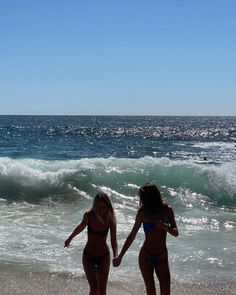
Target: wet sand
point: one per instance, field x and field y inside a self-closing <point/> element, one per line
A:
<point x="23" y="283"/>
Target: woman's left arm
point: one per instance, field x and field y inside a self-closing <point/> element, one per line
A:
<point x="172" y="228"/>
<point x="114" y="244"/>
<point x="129" y="240"/>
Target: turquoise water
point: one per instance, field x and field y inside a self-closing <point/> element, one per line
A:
<point x="51" y="168"/>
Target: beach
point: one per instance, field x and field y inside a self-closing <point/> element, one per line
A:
<point x="30" y="283"/>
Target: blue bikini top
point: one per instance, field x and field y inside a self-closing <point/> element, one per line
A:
<point x="151" y="225"/>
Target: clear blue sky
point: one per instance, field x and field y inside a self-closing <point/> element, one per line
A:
<point x="118" y="57"/>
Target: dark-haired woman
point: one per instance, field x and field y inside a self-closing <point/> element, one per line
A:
<point x="96" y="256"/>
<point x="157" y="219"/>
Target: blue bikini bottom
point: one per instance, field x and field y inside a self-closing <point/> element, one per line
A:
<point x="154" y="258"/>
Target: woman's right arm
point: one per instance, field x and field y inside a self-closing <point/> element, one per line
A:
<point x="129" y="240"/>
<point x="78" y="229"/>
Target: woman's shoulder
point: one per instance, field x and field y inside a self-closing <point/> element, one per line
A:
<point x="141" y="215"/>
<point x="169" y="210"/>
<point x="87" y="215"/>
<point x="111" y="219"/>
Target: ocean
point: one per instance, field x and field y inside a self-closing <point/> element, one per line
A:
<point x="51" y="167"/>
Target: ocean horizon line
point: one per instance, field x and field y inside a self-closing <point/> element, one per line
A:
<point x="113" y="115"/>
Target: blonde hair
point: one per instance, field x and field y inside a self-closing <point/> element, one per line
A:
<point x="102" y="197"/>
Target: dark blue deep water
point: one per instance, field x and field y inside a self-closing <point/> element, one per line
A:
<point x="76" y="137"/>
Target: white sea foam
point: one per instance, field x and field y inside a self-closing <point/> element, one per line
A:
<point x="33" y="232"/>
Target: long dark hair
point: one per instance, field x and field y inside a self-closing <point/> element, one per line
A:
<point x="150" y="199"/>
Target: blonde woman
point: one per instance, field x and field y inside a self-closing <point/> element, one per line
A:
<point x="157" y="219"/>
<point x="96" y="255"/>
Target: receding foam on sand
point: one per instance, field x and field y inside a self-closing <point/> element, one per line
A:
<point x="43" y="283"/>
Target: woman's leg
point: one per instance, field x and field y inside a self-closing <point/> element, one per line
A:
<point x="103" y="272"/>
<point x="91" y="274"/>
<point x="147" y="271"/>
<point x="163" y="274"/>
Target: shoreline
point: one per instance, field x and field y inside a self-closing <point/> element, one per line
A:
<point x="44" y="283"/>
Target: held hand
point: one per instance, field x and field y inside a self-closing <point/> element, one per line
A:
<point x="67" y="243"/>
<point x="116" y="261"/>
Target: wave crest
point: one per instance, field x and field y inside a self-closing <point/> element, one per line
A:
<point x="33" y="180"/>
